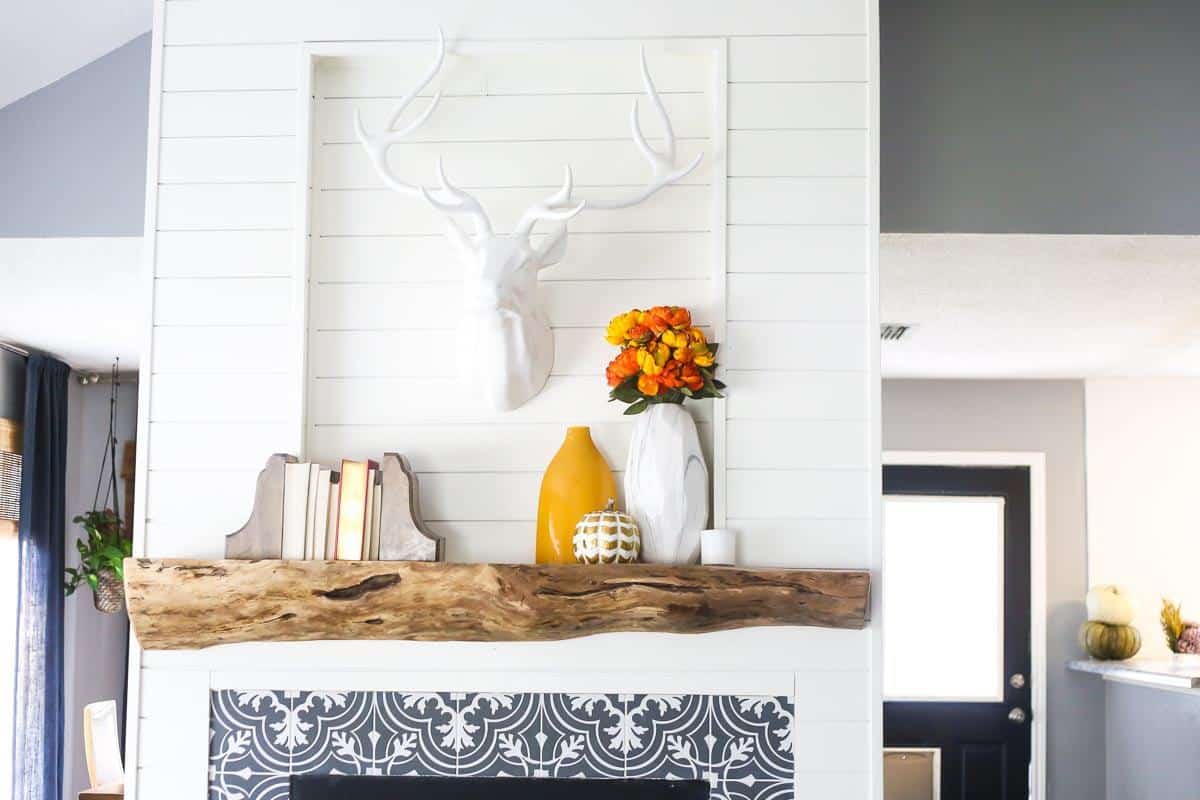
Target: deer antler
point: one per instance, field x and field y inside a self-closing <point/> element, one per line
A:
<point x="549" y="210"/>
<point x="662" y="164"/>
<point x="377" y="146"/>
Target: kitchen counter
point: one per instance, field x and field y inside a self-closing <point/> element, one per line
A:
<point x="1162" y="673"/>
<point x="1151" y="727"/>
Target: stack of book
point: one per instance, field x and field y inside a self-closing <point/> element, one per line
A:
<point x="330" y="514"/>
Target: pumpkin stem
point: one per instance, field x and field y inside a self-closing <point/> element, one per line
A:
<point x="612" y="505"/>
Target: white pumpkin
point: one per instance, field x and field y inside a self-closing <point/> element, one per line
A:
<point x="1109" y="604"/>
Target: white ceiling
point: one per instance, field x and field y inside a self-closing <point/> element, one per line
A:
<point x="78" y="299"/>
<point x="43" y="40"/>
<point x="1001" y="306"/>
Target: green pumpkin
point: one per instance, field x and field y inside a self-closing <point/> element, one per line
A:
<point x="1109" y="642"/>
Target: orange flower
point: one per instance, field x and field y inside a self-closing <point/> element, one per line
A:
<point x="622" y="367"/>
<point x="670" y="375"/>
<point x="691" y="377"/>
<point x="647" y="385"/>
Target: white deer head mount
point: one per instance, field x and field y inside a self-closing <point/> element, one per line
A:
<point x="505" y="344"/>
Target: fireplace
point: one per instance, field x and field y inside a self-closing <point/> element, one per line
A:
<point x="354" y="787"/>
<point x="731" y="745"/>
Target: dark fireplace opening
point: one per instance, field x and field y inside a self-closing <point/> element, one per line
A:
<point x="357" y="787"/>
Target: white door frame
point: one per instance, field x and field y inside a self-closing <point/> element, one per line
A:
<point x="1036" y="462"/>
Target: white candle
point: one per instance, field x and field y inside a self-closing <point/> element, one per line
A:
<point x="718" y="547"/>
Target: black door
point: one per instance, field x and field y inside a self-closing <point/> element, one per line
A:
<point x="983" y="737"/>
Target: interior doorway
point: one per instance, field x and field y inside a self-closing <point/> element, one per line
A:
<point x="964" y="625"/>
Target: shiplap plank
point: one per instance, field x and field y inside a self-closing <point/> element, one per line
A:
<point x="769" y="394"/>
<point x="266" y="67"/>
<point x="171" y="694"/>
<point x="346" y="306"/>
<point x="301" y="20"/>
<point x="224" y="254"/>
<point x="813" y="543"/>
<point x="841" y="346"/>
<point x="583" y="67"/>
<point x="213" y="348"/>
<point x="188" y="538"/>
<point x="488" y="447"/>
<point x="193" y="114"/>
<point x="515" y="118"/>
<point x="594" y="256"/>
<point x="832" y="746"/>
<point x="222" y="301"/>
<point x="217" y="445"/>
<point x="797" y="201"/>
<point x="230" y="206"/>
<point x="762" y="154"/>
<point x="835" y="696"/>
<point x="613" y="162"/>
<point x="398" y="401"/>
<point x="817" y="783"/>
<point x="788" y="58"/>
<point x="493" y="542"/>
<point x="797" y="494"/>
<point x="421" y="353"/>
<point x="796" y="444"/>
<point x="799" y="297"/>
<point x="380" y="212"/>
<point x="797" y="248"/>
<point x="759" y="106"/>
<point x="219" y="502"/>
<point x="221" y="398"/>
<point x="484" y="496"/>
<point x="228" y="160"/>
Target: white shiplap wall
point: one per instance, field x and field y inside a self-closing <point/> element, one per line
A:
<point x="800" y="429"/>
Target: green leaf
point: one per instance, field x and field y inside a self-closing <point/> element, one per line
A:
<point x="93" y="580"/>
<point x="637" y="407"/>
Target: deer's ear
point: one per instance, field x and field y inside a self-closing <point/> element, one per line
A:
<point x="553" y="248"/>
<point x="464" y="248"/>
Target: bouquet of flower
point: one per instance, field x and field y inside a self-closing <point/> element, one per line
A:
<point x="663" y="359"/>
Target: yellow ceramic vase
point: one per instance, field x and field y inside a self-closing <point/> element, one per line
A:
<point x="577" y="482"/>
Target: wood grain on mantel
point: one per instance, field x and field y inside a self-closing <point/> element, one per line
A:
<point x="181" y="604"/>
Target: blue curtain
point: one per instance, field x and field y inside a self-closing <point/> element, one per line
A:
<point x="38" y="695"/>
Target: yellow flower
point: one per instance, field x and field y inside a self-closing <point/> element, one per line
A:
<point x="647" y="385"/>
<point x="673" y="338"/>
<point x="618" y="329"/>
<point x="652" y="358"/>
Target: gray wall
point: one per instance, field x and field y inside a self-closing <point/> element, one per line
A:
<point x="1153" y="743"/>
<point x="1039" y="416"/>
<point x="1027" y="116"/>
<point x="73" y="155"/>
<point x="12" y="386"/>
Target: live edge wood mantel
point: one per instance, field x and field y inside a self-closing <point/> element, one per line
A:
<point x="181" y="604"/>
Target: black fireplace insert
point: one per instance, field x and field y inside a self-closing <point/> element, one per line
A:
<point x="357" y="787"/>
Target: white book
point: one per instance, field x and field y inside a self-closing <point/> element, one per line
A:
<point x="321" y="515"/>
<point x="295" y="508"/>
<point x="335" y="494"/>
<point x="310" y="512"/>
<point x="369" y="519"/>
<point x="376" y="513"/>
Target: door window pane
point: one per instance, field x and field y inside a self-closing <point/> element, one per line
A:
<point x="943" y="598"/>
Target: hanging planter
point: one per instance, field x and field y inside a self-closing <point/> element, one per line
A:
<point x="102" y="555"/>
<point x="104" y="548"/>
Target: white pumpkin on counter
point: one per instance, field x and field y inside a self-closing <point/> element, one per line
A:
<point x="1109" y="604"/>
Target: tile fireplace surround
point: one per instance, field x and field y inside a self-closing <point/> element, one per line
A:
<point x="741" y="745"/>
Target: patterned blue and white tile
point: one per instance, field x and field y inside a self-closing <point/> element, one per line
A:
<point x="740" y="745"/>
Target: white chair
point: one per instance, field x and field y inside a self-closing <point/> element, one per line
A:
<point x="102" y="746"/>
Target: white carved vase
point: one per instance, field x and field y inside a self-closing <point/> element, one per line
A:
<point x="666" y="484"/>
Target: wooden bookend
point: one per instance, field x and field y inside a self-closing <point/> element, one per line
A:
<point x="262" y="535"/>
<point x="402" y="533"/>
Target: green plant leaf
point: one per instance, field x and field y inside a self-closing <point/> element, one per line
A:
<point x="637" y="407"/>
<point x="93" y="580"/>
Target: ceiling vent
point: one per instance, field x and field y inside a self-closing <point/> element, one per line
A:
<point x="894" y="331"/>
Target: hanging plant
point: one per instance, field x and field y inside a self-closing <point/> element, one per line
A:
<point x="102" y="554"/>
<point x="104" y="548"/>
